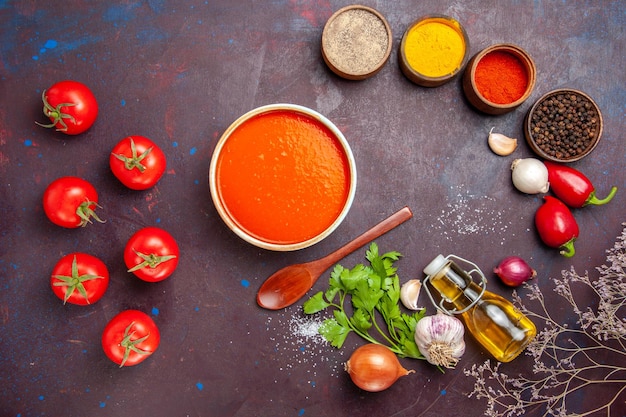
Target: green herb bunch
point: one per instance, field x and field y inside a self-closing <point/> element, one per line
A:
<point x="374" y="293"/>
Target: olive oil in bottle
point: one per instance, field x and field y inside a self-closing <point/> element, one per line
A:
<point x="493" y="321"/>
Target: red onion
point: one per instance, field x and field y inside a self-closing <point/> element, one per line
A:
<point x="514" y="271"/>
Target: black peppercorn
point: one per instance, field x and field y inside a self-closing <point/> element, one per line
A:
<point x="564" y="125"/>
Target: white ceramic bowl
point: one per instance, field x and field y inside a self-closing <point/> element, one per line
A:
<point x="282" y="177"/>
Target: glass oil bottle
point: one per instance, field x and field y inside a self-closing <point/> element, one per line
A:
<point x="493" y="321"/>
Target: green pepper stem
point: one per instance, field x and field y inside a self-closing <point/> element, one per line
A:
<point x="567" y="249"/>
<point x="595" y="201"/>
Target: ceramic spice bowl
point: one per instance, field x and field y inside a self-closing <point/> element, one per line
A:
<point x="356" y="42"/>
<point x="433" y="50"/>
<point x="499" y="78"/>
<point x="563" y="125"/>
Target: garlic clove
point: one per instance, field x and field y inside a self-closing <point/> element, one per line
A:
<point x="500" y="144"/>
<point x="409" y="293"/>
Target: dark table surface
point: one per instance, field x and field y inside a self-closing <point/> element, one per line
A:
<point x="180" y="72"/>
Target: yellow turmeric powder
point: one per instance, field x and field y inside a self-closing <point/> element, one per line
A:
<point x="434" y="47"/>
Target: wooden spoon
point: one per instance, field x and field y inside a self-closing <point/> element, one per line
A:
<point x="288" y="285"/>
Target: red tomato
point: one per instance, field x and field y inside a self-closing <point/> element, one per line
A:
<point x="70" y="106"/>
<point x="70" y="202"/>
<point x="151" y="254"/>
<point x="79" y="278"/>
<point x="137" y="162"/>
<point x="130" y="337"/>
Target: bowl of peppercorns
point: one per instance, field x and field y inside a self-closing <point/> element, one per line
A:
<point x="563" y="125"/>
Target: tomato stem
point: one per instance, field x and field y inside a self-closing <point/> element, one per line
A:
<point x="134" y="161"/>
<point x="85" y="212"/>
<point x="150" y="260"/>
<point x="130" y="345"/>
<point x="74" y="282"/>
<point x="56" y="114"/>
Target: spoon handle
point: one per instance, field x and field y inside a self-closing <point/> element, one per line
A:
<point x="380" y="229"/>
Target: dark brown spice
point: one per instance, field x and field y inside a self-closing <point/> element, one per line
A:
<point x="564" y="125"/>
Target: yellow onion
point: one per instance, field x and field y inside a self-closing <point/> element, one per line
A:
<point x="374" y="367"/>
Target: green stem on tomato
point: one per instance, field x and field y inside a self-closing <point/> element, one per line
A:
<point x="134" y="161"/>
<point x="150" y="260"/>
<point x="74" y="282"/>
<point x="55" y="113"/>
<point x="130" y="345"/>
<point x="86" y="213"/>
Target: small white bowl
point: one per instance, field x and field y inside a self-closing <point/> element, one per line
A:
<point x="270" y="186"/>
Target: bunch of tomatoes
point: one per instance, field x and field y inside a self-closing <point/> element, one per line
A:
<point x="151" y="253"/>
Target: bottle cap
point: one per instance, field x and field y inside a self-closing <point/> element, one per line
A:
<point x="435" y="265"/>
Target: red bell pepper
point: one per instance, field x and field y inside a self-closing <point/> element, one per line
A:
<point x="572" y="187"/>
<point x="557" y="226"/>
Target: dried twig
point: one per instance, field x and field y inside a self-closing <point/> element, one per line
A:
<point x="570" y="361"/>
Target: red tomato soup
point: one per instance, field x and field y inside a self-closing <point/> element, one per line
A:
<point x="283" y="177"/>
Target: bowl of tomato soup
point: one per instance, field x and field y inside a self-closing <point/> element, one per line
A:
<point x="282" y="177"/>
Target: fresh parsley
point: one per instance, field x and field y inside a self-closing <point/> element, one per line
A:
<point x="373" y="291"/>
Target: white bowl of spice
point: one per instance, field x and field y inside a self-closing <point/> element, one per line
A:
<point x="356" y="42"/>
<point x="433" y="50"/>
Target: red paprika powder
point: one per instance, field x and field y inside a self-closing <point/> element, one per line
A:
<point x="501" y="77"/>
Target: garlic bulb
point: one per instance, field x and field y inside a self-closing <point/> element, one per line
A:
<point x="500" y="144"/>
<point x="440" y="339"/>
<point x="409" y="293"/>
